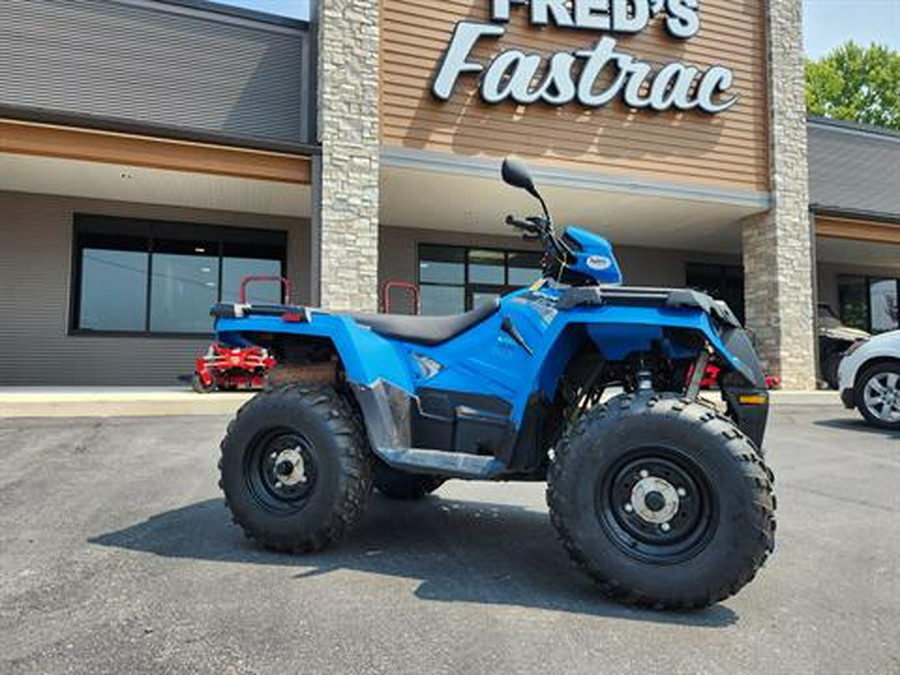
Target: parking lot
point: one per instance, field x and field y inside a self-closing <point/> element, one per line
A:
<point x="117" y="556"/>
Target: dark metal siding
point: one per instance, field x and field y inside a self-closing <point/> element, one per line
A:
<point x="854" y="169"/>
<point x="169" y="66"/>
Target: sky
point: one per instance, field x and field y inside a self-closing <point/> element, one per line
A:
<point x="296" y="9"/>
<point x="826" y="23"/>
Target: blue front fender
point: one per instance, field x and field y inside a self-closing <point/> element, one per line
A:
<point x="618" y="331"/>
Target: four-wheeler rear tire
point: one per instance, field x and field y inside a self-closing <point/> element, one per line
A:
<point x="663" y="501"/>
<point x="198" y="386"/>
<point x="877" y="394"/>
<point x="296" y="469"/>
<point x="396" y="484"/>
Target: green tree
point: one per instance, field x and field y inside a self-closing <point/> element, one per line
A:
<point x="856" y="83"/>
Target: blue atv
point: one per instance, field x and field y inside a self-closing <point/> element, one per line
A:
<point x="663" y="498"/>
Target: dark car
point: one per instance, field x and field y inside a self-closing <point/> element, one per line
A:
<point x="834" y="339"/>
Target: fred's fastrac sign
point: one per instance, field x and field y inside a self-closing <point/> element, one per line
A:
<point x="593" y="76"/>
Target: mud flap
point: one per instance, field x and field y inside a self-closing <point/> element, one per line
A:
<point x="744" y="388"/>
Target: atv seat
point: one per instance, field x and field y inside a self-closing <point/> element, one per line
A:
<point x="426" y="330"/>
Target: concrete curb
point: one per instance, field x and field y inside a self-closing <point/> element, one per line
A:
<point x="116" y="402"/>
<point x="134" y="402"/>
<point x="805" y="398"/>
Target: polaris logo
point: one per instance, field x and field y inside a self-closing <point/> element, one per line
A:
<point x="599" y="263"/>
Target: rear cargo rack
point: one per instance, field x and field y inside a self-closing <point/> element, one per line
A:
<point x="227" y="310"/>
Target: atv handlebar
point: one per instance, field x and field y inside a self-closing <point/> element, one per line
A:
<point x="529" y="226"/>
<point x="540" y="228"/>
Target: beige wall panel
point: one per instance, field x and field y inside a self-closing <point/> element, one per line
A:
<point x="46" y="140"/>
<point x="727" y="150"/>
<point x="35" y="275"/>
<point x="858" y="230"/>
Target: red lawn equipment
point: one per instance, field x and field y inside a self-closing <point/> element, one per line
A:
<point x="232" y="368"/>
<point x="711" y="379"/>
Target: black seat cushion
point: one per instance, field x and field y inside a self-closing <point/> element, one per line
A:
<point x="426" y="330"/>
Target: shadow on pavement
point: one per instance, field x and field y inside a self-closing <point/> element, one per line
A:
<point x="857" y="425"/>
<point x="461" y="551"/>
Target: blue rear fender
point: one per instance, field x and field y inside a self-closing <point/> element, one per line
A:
<point x="366" y="356"/>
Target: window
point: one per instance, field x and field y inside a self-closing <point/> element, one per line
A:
<point x="722" y="282"/>
<point x="119" y="267"/>
<point x="157" y="277"/>
<point x="883" y="304"/>
<point x="454" y="279"/>
<point x="869" y="303"/>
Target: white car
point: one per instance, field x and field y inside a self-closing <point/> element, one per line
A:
<point x="869" y="377"/>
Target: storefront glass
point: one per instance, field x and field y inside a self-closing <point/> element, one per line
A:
<point x="122" y="276"/>
<point x="454" y="279"/>
<point x="146" y="277"/>
<point x="723" y="282"/>
<point x="868" y="303"/>
<point x="883" y="304"/>
<point x="486" y="267"/>
<point x="184" y="282"/>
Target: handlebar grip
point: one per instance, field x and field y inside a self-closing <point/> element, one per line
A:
<point x="521" y="224"/>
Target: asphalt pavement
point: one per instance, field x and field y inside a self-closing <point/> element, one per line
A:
<point x="117" y="556"/>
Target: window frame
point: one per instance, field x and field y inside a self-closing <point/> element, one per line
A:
<point x="723" y="269"/>
<point x="468" y="286"/>
<point x="867" y="279"/>
<point x="83" y="223"/>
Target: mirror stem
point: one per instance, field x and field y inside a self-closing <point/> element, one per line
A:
<point x="544" y="207"/>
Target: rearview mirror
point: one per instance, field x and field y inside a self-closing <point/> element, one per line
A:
<point x="515" y="173"/>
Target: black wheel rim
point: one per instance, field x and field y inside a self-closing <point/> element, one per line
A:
<point x="657" y="505"/>
<point x="280" y="471"/>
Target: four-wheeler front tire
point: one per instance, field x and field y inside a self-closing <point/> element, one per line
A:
<point x="877" y="394"/>
<point x="296" y="469"/>
<point x="663" y="501"/>
<point x="396" y="484"/>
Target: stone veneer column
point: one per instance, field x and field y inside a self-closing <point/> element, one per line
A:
<point x="345" y="204"/>
<point x="778" y="245"/>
